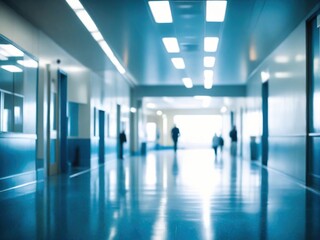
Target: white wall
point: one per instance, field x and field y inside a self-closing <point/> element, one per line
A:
<point x="287" y="103"/>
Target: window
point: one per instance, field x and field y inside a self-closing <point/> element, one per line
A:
<point x="18" y="83"/>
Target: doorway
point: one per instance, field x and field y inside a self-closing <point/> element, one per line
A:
<point x="63" y="121"/>
<point x="313" y="99"/>
<point x="265" y="128"/>
<point x="101" y="136"/>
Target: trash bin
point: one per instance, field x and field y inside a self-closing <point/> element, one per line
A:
<point x="254" y="151"/>
<point x="143" y="148"/>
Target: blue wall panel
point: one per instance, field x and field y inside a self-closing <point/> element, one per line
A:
<point x="17" y="161"/>
<point x="79" y="152"/>
<point x="288" y="154"/>
<point x="73" y="114"/>
<point x="18" y="155"/>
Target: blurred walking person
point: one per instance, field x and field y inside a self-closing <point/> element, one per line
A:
<point x="215" y="144"/>
<point x="175" y="134"/>
<point x="234" y="139"/>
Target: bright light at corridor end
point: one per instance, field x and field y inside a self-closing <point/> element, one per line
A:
<point x="161" y="11"/>
<point x="216" y="11"/>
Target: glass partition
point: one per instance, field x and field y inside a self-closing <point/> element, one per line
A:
<point x="18" y="88"/>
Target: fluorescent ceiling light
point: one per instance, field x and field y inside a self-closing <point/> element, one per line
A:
<point x="178" y="63"/>
<point x="282" y="75"/>
<point x="133" y="110"/>
<point x="223" y="109"/>
<point x="208" y="74"/>
<point x="151" y="105"/>
<point x="281" y="59"/>
<point x="92" y="28"/>
<point x="265" y="76"/>
<point x="118" y="65"/>
<point x="215" y="11"/>
<point x="87" y="20"/>
<point x="28" y="63"/>
<point x="187" y="82"/>
<point x="161" y="11"/>
<point x="211" y="44"/>
<point x="11" y="68"/>
<point x="159" y="113"/>
<point x="208" y="83"/>
<point x="171" y="44"/>
<point x="75" y="4"/>
<point x="9" y="50"/>
<point x="2" y="57"/>
<point x="97" y="36"/>
<point x="209" y="61"/>
<point x="105" y="47"/>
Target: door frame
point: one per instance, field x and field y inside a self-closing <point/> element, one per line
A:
<point x="63" y="121"/>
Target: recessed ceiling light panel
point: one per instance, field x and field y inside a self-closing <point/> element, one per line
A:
<point x="215" y="11"/>
<point x="8" y="50"/>
<point x="28" y="63"/>
<point x="211" y="44"/>
<point x="209" y="61"/>
<point x="187" y="82"/>
<point x="161" y="11"/>
<point x="11" y="68"/>
<point x="178" y="63"/>
<point x="171" y="44"/>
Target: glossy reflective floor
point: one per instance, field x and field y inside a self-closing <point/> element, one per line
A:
<point x="190" y="195"/>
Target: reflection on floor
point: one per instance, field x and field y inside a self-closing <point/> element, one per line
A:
<point x="189" y="195"/>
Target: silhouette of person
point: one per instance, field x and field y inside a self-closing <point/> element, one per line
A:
<point x="123" y="139"/>
<point x="175" y="133"/>
<point x="234" y="139"/>
<point x="215" y="144"/>
<point x="221" y="143"/>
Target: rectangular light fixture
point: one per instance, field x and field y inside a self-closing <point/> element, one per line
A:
<point x="282" y="75"/>
<point x="75" y="4"/>
<point x="28" y="63"/>
<point x="107" y="50"/>
<point x="208" y="74"/>
<point x="209" y="61"/>
<point x="9" y="50"/>
<point x="11" y="68"/>
<point x="161" y="11"/>
<point x="211" y="44"/>
<point x="187" y="82"/>
<point x="97" y="36"/>
<point x="93" y="29"/>
<point x="208" y="82"/>
<point x="2" y="57"/>
<point x="171" y="44"/>
<point x="216" y="11"/>
<point x="178" y="63"/>
<point x="87" y="20"/>
<point x="265" y="76"/>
